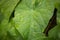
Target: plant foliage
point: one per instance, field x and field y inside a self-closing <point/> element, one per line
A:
<point x="27" y="19"/>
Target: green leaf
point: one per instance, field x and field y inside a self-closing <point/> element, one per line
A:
<point x="30" y="19"/>
<point x="6" y="8"/>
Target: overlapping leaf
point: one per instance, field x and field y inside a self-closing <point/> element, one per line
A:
<point x="30" y="19"/>
<point x="6" y="8"/>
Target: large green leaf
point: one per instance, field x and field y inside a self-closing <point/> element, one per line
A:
<point x="31" y="17"/>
